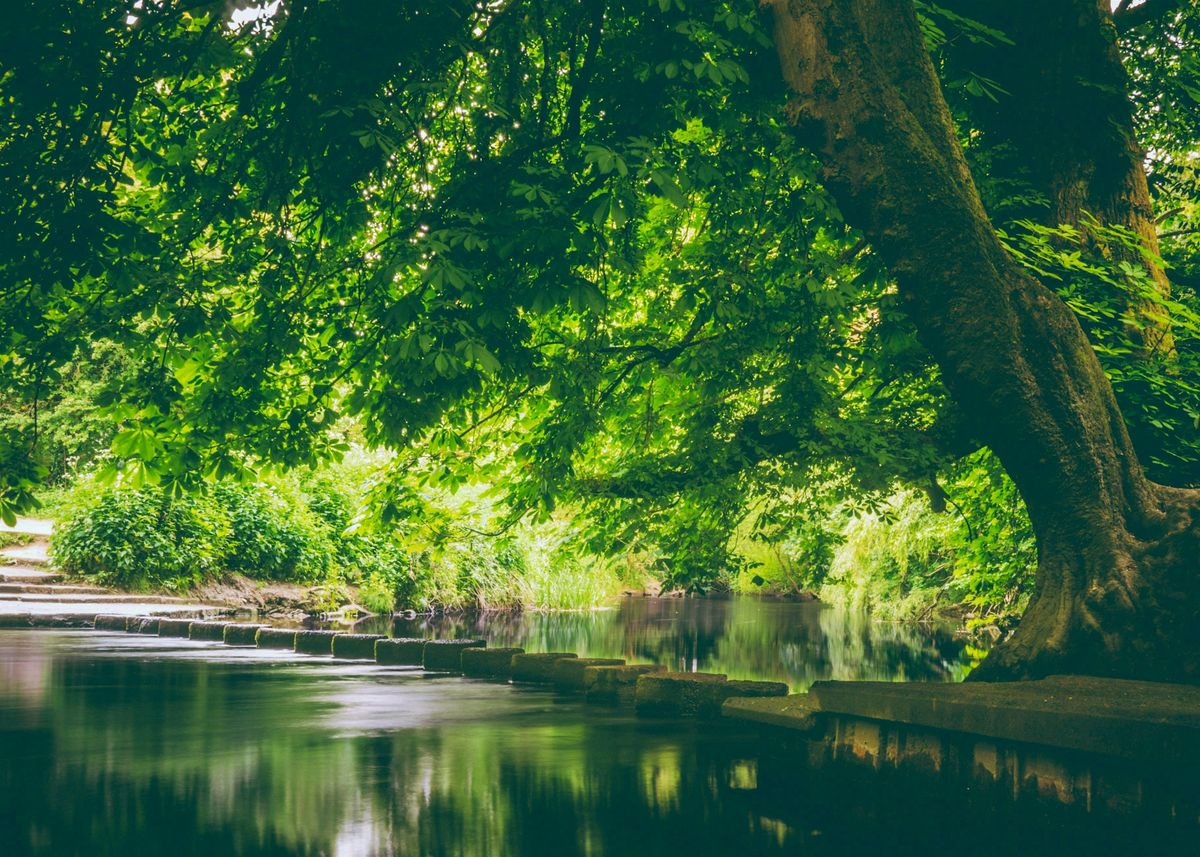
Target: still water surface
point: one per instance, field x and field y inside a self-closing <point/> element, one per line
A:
<point x="130" y="745"/>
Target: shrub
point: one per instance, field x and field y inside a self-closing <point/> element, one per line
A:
<point x="136" y="539"/>
<point x="273" y="536"/>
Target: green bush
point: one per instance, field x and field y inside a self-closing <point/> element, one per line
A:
<point x="143" y="538"/>
<point x="273" y="536"/>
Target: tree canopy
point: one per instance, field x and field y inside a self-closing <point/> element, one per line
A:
<point x="574" y="249"/>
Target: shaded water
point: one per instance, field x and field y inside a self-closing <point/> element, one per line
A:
<point x="750" y="638"/>
<point x="131" y="745"/>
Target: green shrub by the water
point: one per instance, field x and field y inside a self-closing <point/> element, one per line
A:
<point x="143" y="538"/>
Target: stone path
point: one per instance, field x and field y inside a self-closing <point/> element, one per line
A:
<point x="31" y="587"/>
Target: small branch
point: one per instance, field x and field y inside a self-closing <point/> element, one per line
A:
<point x="1128" y="17"/>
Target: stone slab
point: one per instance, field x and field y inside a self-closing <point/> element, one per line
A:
<point x="489" y="663"/>
<point x="209" y="631"/>
<point x="241" y="634"/>
<point x="315" y="642"/>
<point x="276" y="638"/>
<point x="447" y="654"/>
<point x="141" y="624"/>
<point x="537" y="667"/>
<point x="174" y="627"/>
<point x="798" y="711"/>
<point x="359" y="647"/>
<point x="678" y="694"/>
<point x="1130" y="719"/>
<point x="568" y="672"/>
<point x="608" y="685"/>
<point x="109" y="623"/>
<point x="400" y="651"/>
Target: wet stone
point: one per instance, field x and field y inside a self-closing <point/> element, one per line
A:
<point x="447" y="654"/>
<point x="211" y="631"/>
<point x="174" y="627"/>
<point x="679" y="694"/>
<point x="276" y="638"/>
<point x="142" y="625"/>
<point x="239" y="634"/>
<point x="608" y="685"/>
<point x="400" y="651"/>
<point x="489" y="663"/>
<point x="568" y="672"/>
<point x="537" y="667"/>
<point x="110" y="623"/>
<point x="356" y="646"/>
<point x="315" y="642"/>
<point x="16" y="620"/>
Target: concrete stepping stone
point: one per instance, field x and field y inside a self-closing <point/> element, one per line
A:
<point x="175" y="627"/>
<point x="208" y="631"/>
<point x="537" y="667"/>
<point x="141" y="624"/>
<point x="568" y="672"/>
<point x="400" y="651"/>
<point x="276" y="638"/>
<point x="489" y="663"/>
<point x="446" y="655"/>
<point x="356" y="646"/>
<point x="110" y="623"/>
<point x="678" y="694"/>
<point x="242" y="634"/>
<point x="315" y="642"/>
<point x="609" y="685"/>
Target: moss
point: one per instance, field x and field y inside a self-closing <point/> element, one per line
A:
<point x="211" y="631"/>
<point x="447" y="654"/>
<point x="356" y="646"/>
<point x="679" y="694"/>
<point x="489" y="663"/>
<point x="538" y="667"/>
<point x="401" y="651"/>
<point x="315" y="642"/>
<point x="275" y="638"/>
<point x="174" y="627"/>
<point x="238" y="634"/>
<point x="608" y="685"/>
<point x="568" y="672"/>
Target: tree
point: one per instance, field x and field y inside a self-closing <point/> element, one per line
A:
<point x="1117" y="583"/>
<point x="574" y="248"/>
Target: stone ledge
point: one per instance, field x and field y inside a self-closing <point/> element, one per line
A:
<point x="798" y="711"/>
<point x="1113" y="717"/>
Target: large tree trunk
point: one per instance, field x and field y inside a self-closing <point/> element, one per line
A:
<point x="1064" y="124"/>
<point x="1117" y="589"/>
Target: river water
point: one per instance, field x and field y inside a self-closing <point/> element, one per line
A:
<point x="130" y="745"/>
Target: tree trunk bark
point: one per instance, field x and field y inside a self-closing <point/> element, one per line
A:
<point x="1117" y="588"/>
<point x="1064" y="125"/>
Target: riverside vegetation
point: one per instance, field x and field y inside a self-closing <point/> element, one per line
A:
<point x="736" y="295"/>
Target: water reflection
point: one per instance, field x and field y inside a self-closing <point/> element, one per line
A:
<point x="126" y="749"/>
<point x="797" y="643"/>
<point x="130" y="745"/>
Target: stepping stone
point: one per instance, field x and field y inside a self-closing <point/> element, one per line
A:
<point x="356" y="646"/>
<point x="447" y="654"/>
<point x="242" y="634"/>
<point x="50" y="589"/>
<point x="276" y="638"/>
<point x="568" y="672"/>
<point x="141" y="625"/>
<point x="400" y="651"/>
<point x="211" y="631"/>
<point x="315" y="642"/>
<point x="174" y="627"/>
<point x="678" y="694"/>
<point x="537" y="667"/>
<point x="489" y="663"/>
<point x="110" y="623"/>
<point x="608" y="685"/>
